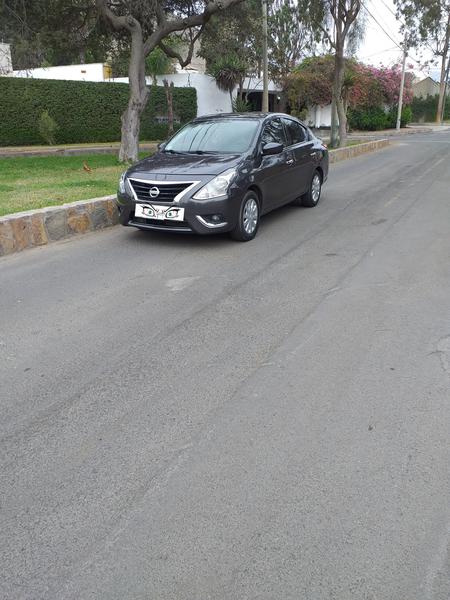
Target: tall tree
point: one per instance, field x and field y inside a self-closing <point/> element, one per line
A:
<point x="232" y="43"/>
<point x="291" y="37"/>
<point x="149" y="23"/>
<point x="52" y="32"/>
<point x="428" y="21"/>
<point x="340" y="28"/>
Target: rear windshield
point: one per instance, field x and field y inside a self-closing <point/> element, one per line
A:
<point x="232" y="136"/>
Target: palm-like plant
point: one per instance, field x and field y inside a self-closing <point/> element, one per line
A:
<point x="228" y="72"/>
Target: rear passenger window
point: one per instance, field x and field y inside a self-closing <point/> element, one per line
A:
<point x="295" y="132"/>
<point x="273" y="133"/>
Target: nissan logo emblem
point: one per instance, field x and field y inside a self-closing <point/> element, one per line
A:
<point x="153" y="192"/>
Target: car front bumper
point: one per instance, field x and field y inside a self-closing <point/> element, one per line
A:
<point x="200" y="216"/>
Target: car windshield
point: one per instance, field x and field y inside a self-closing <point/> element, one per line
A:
<point x="230" y="136"/>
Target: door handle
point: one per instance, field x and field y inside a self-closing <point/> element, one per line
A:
<point x="290" y="162"/>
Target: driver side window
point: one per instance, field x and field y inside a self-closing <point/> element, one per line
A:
<point x="273" y="133"/>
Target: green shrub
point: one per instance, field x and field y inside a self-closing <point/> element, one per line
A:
<point x="404" y="119"/>
<point x="368" y="119"/>
<point x="84" y="111"/>
<point x="376" y="118"/>
<point x="241" y="105"/>
<point x="406" y="116"/>
<point x="300" y="114"/>
<point x="424" y="109"/>
<point x="47" y="127"/>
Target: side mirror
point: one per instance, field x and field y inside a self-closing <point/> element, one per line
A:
<point x="161" y="145"/>
<point x="272" y="148"/>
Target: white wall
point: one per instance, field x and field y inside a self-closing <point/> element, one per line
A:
<point x="5" y="59"/>
<point x="210" y="99"/>
<point x="319" y="116"/>
<point x="86" y="72"/>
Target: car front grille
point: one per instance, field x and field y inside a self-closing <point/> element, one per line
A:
<point x="167" y="190"/>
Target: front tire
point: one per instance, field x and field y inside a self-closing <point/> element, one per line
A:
<point x="248" y="219"/>
<point x="312" y="196"/>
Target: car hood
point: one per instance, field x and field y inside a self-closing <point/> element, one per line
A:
<point x="165" y="163"/>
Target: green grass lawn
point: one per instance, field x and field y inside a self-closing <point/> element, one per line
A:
<point x="35" y="182"/>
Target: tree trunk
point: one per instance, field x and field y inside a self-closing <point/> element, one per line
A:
<point x="339" y="68"/>
<point x="334" y="137"/>
<point x="241" y="88"/>
<point x="139" y="94"/>
<point x="131" y="126"/>
<point x="169" y="98"/>
<point x="442" y="84"/>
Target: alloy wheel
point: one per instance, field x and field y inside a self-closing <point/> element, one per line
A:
<point x="250" y="216"/>
<point x="315" y="188"/>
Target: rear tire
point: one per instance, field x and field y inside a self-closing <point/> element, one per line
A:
<point x="312" y="196"/>
<point x="248" y="219"/>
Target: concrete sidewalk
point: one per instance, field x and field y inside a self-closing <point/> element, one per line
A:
<point x="383" y="133"/>
<point x="408" y="130"/>
<point x="69" y="149"/>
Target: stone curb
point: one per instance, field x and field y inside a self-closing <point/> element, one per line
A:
<point x="44" y="225"/>
<point x="352" y="151"/>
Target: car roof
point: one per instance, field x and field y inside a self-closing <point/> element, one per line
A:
<point x="261" y="116"/>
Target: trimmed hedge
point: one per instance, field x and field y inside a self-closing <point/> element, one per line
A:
<point x="84" y="111"/>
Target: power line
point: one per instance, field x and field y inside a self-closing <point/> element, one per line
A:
<point x="385" y="24"/>
<point x="382" y="28"/>
<point x="379" y="52"/>
<point x="389" y="8"/>
<point x="403" y="24"/>
<point x="392" y="39"/>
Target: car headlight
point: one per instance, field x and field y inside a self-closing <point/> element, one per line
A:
<point x="122" y="188"/>
<point x="217" y="186"/>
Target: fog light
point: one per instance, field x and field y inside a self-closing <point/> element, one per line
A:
<point x="212" y="220"/>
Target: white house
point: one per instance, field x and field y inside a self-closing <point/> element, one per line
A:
<point x="210" y="99"/>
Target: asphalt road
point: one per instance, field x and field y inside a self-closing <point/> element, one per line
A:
<point x="190" y="418"/>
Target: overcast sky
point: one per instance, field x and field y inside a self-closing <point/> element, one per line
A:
<point x="377" y="47"/>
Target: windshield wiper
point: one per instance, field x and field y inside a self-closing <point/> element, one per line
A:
<point x="203" y="152"/>
<point x="170" y="151"/>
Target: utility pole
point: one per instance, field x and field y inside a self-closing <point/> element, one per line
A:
<point x="402" y="85"/>
<point x="443" y="78"/>
<point x="445" y="90"/>
<point x="265" y="97"/>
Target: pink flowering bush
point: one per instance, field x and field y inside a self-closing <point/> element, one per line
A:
<point x="370" y="93"/>
<point x="389" y="79"/>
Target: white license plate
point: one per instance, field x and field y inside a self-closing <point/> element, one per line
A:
<point x="162" y="213"/>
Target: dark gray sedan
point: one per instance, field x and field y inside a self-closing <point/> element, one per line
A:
<point x="222" y="172"/>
